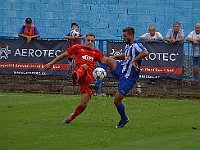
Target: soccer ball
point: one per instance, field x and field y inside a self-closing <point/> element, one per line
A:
<point x="74" y="33"/>
<point x="99" y="74"/>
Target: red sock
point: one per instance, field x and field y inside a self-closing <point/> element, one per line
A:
<point x="81" y="71"/>
<point x="78" y="111"/>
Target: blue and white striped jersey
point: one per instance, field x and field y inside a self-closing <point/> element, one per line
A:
<point x="131" y="51"/>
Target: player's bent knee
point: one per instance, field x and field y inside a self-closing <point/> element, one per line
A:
<point x="84" y="106"/>
<point x="111" y="63"/>
<point x="116" y="103"/>
<point x="85" y="66"/>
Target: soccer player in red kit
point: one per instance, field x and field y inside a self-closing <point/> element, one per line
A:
<point x="86" y="56"/>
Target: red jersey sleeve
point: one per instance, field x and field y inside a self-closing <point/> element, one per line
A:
<point x="99" y="55"/>
<point x="72" y="50"/>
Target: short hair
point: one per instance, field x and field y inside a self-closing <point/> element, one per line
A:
<point x="74" y="24"/>
<point x="90" y="34"/>
<point x="130" y="30"/>
<point x="152" y="26"/>
<point x="198" y="24"/>
<point x="177" y="23"/>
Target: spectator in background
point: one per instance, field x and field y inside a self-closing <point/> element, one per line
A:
<point x="175" y="34"/>
<point x="72" y="40"/>
<point x="151" y="35"/>
<point x="194" y="37"/>
<point x="29" y="31"/>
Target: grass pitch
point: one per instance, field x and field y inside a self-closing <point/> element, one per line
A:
<point x="33" y="122"/>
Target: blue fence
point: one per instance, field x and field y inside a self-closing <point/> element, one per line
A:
<point x="101" y="44"/>
<point x="188" y="69"/>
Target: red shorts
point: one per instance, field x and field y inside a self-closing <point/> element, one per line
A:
<point x="84" y="82"/>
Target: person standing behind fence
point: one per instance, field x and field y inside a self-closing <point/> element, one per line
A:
<point x="194" y="37"/>
<point x="72" y="40"/>
<point x="175" y="34"/>
<point x="29" y="31"/>
<point x="151" y="35"/>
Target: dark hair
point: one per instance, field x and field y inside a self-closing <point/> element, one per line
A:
<point x="28" y="20"/>
<point x="74" y="24"/>
<point x="130" y="30"/>
<point x="90" y="34"/>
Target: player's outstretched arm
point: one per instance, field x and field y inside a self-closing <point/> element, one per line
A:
<point x="57" y="59"/>
<point x="118" y="57"/>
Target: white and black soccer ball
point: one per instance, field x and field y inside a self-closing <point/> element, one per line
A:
<point x="99" y="74"/>
<point x="74" y="33"/>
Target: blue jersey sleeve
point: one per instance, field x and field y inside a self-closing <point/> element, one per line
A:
<point x="22" y="29"/>
<point x="68" y="34"/>
<point x="81" y="35"/>
<point x="36" y="30"/>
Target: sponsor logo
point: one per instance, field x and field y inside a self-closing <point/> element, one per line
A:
<point x="162" y="56"/>
<point x="89" y="58"/>
<point x="128" y="57"/>
<point x="116" y="51"/>
<point x="24" y="52"/>
<point x="37" y="53"/>
<point x="4" y="51"/>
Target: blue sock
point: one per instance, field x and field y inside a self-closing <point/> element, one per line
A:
<point x="121" y="111"/>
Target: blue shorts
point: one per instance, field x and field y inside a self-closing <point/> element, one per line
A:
<point x="124" y="85"/>
<point x="195" y="61"/>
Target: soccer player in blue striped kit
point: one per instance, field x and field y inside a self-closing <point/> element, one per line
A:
<point x="127" y="71"/>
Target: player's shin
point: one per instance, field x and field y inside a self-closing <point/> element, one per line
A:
<point x="78" y="111"/>
<point x="121" y="111"/>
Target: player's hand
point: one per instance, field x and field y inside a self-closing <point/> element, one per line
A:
<point x="48" y="66"/>
<point x="135" y="65"/>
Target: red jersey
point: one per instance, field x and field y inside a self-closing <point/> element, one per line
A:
<point x="83" y="55"/>
<point x="73" y="42"/>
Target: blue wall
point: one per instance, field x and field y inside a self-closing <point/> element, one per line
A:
<point x="105" y="18"/>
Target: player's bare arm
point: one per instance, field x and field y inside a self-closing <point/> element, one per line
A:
<point x="118" y="57"/>
<point x="142" y="55"/>
<point x="57" y="59"/>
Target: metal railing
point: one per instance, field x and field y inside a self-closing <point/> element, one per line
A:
<point x="101" y="44"/>
<point x="188" y="54"/>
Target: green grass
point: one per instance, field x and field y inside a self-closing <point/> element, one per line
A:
<point x="33" y="122"/>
